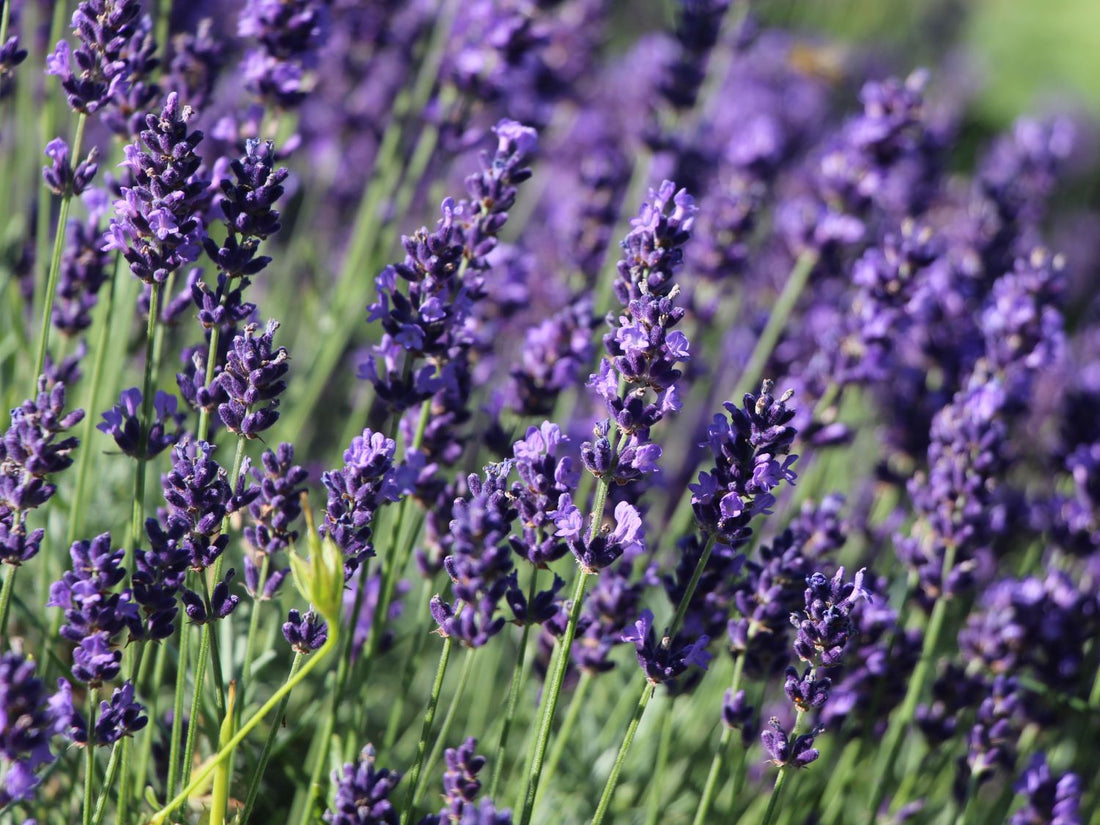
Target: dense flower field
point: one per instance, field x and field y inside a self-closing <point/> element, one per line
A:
<point x="472" y="412"/>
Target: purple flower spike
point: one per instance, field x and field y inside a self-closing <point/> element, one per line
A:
<point x="739" y="714"/>
<point x="664" y="660"/>
<point x="121" y="716"/>
<point x="222" y="602"/>
<point x="247" y="391"/>
<point x="123" y="423"/>
<point x="367" y="480"/>
<point x="25" y="727"/>
<point x="304" y="633"/>
<point x="363" y="794"/>
<point x="824" y="627"/>
<point x="797" y="751"/>
<point x="95" y="616"/>
<point x="460" y="783"/>
<point x="750" y="450"/>
<point x="596" y="553"/>
<point x="158" y="223"/>
<point x="31" y="450"/>
<point x="1050" y="801"/>
<point x="61" y="177"/>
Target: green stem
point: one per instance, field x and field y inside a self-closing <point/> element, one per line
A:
<point x="269" y="743"/>
<point x="246" y="728"/>
<point x="900" y="723"/>
<point x="572" y="714"/>
<point x="89" y="760"/>
<point x="513" y="695"/>
<point x="149" y="377"/>
<point x="55" y="259"/>
<point x="177" y="713"/>
<point x="777" y="322"/>
<point x="154" y="713"/>
<point x="781" y="777"/>
<point x="656" y="787"/>
<point x="112" y="769"/>
<point x="616" y="769"/>
<point x="196" y="704"/>
<point x="553" y="686"/>
<point x="426" y="727"/>
<point x="408" y="670"/>
<point x="5" y="597"/>
<point x="253" y="626"/>
<point x="76" y="508"/>
<point x="139" y="666"/>
<point x="444" y="729"/>
<point x="717" y="763"/>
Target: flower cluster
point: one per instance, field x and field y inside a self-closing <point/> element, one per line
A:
<point x="26" y="724"/>
<point x="32" y="449"/>
<point x="281" y="484"/>
<point x="123" y="423"/>
<point x="158" y="224"/>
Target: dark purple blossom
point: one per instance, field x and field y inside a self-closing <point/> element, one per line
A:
<point x="248" y="207"/>
<point x="11" y="55"/>
<point x="289" y="35"/>
<point x="222" y="602"/>
<point x="991" y="742"/>
<point x="796" y="751"/>
<point x="159" y="574"/>
<point x="545" y="474"/>
<point x="123" y="423"/>
<point x="31" y="450"/>
<point x="247" y="389"/>
<point x="26" y="725"/>
<point x="367" y="480"/>
<point x="85" y="268"/>
<point x="304" y="633"/>
<point x="653" y="249"/>
<point x="480" y="560"/>
<point x="1050" y="800"/>
<point x="751" y="458"/>
<point x="556" y="352"/>
<point x="119" y="717"/>
<point x="61" y="176"/>
<point x="363" y="794"/>
<point x="158" y="223"/>
<point x="95" y="615"/>
<point x="460" y="783"/>
<point x="594" y="553"/>
<point x="698" y="24"/>
<point x="197" y="59"/>
<point x="104" y="29"/>
<point x="663" y="660"/>
<point x="281" y="484"/>
<point x="738" y="714"/>
<point x="824" y="628"/>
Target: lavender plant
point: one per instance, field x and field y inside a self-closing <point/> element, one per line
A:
<point x="506" y="514"/>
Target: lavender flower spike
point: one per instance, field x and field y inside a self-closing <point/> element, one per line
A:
<point x="25" y="727"/>
<point x="363" y="794"/>
<point x="123" y="423"/>
<point x="157" y="225"/>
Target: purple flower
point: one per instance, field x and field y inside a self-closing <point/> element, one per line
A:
<point x="545" y="477"/>
<point x="31" y="450"/>
<point x="824" y="627"/>
<point x="460" y="783"/>
<point x="653" y="249"/>
<point x="274" y="511"/>
<point x="797" y="751"/>
<point x="362" y="794"/>
<point x="662" y="661"/>
<point x="750" y="450"/>
<point x="555" y="354"/>
<point x="247" y="390"/>
<point x="1050" y="801"/>
<point x="11" y="55"/>
<point x="158" y="223"/>
<point x="599" y="551"/>
<point x="197" y="59"/>
<point x="95" y="615"/>
<point x="105" y="30"/>
<point x="121" y="716"/>
<point x="248" y="207"/>
<point x="738" y="714"/>
<point x="123" y="423"/>
<point x="698" y="24"/>
<point x="158" y="576"/>
<point x="84" y="270"/>
<point x="304" y="633"/>
<point x="25" y="727"/>
<point x="222" y="602"/>
<point x="367" y="480"/>
<point x="61" y="177"/>
<point x="289" y="34"/>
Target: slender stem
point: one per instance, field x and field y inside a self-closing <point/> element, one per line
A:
<point x="55" y="260"/>
<point x="89" y="759"/>
<point x="219" y="795"/>
<point x="407" y="672"/>
<point x="91" y="404"/>
<point x="112" y="769"/>
<point x="448" y="720"/>
<point x="513" y="695"/>
<point x="246" y="728"/>
<point x="196" y="703"/>
<point x="149" y="377"/>
<point x="656" y="787"/>
<point x="777" y="322"/>
<point x="322" y="738"/>
<point x="572" y="714"/>
<point x="426" y="727"/>
<point x="138" y="667"/>
<point x="717" y="763"/>
<point x="265" y="754"/>
<point x="154" y="713"/>
<point x="5" y="597"/>
<point x="781" y="777"/>
<point x="553" y="686"/>
<point x="211" y="358"/>
<point x="177" y="713"/>
<point x="900" y="723"/>
<point x="616" y="769"/>
<point x="253" y="626"/>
